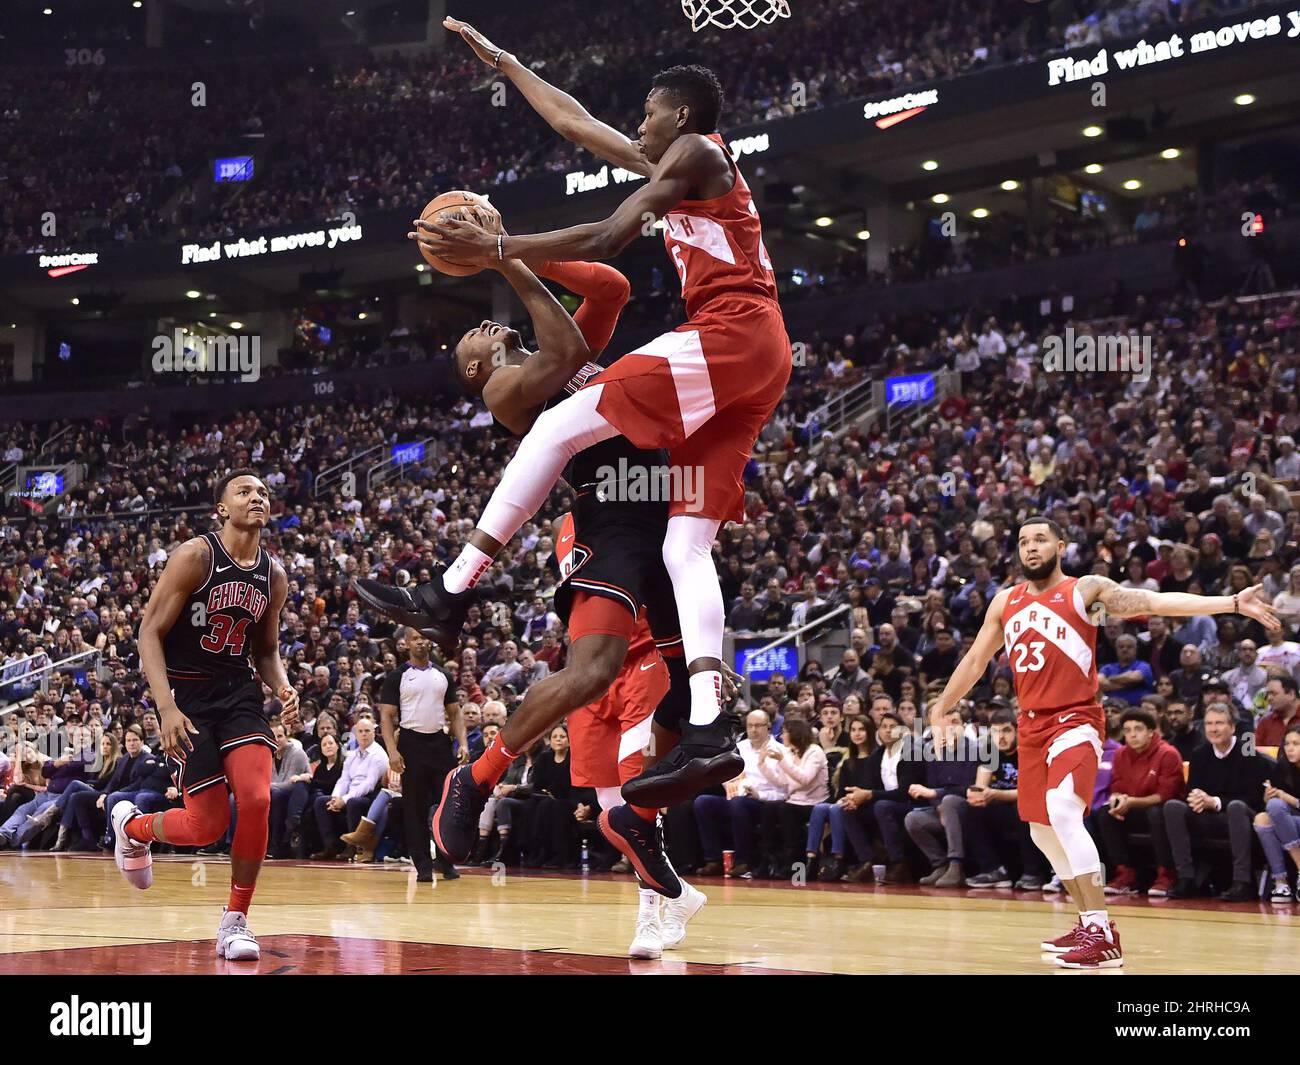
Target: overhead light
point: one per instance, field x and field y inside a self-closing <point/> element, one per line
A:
<point x="1092" y="131"/>
<point x="1132" y="183"/>
<point x="193" y="293"/>
<point x="939" y="197"/>
<point x="419" y="268"/>
<point x="361" y="317"/>
<point x="1170" y="153"/>
<point x="136" y="3"/>
<point x="236" y="325"/>
<point x="76" y="302"/>
<point x="48" y="11"/>
<point x="1092" y="168"/>
<point x="823" y="221"/>
<point x="212" y="314"/>
<point x="930" y="164"/>
<point x="980" y="212"/>
<point x="1010" y="185"/>
<point x="1245" y="99"/>
<point x="864" y="234"/>
<point x="444" y="347"/>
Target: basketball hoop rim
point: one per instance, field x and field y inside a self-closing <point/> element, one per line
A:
<point x="734" y="14"/>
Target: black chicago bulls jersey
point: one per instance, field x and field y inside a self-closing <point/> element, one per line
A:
<point x="212" y="638"/>
<point x="607" y="464"/>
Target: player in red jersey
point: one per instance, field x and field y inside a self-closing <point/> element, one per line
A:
<point x="1048" y="626"/>
<point x="610" y="738"/>
<point x="703" y="391"/>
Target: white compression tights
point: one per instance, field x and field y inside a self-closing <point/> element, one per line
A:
<point x="1065" y="841"/>
<point x="688" y="557"/>
<point x="556" y="436"/>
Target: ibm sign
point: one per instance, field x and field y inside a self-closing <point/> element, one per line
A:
<point x="236" y="168"/>
<point x="907" y="391"/>
<point x="761" y="666"/>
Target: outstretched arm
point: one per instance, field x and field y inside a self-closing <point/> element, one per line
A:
<point x="681" y="168"/>
<point x="561" y="111"/>
<point x="987" y="642"/>
<point x="1135" y="602"/>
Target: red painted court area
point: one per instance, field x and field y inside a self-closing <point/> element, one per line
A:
<point x="293" y="955"/>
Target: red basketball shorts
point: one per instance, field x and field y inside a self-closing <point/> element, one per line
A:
<point x="704" y="392"/>
<point x="1054" y="745"/>
<point x="607" y="739"/>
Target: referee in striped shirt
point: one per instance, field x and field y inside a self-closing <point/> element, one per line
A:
<point x="417" y="706"/>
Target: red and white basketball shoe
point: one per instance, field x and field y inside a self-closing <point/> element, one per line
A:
<point x="1094" y="951"/>
<point x="1064" y="944"/>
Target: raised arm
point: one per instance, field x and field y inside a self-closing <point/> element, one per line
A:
<point x="987" y="643"/>
<point x="561" y="111"/>
<point x="1135" y="602"/>
<point x="515" y="397"/>
<point x="688" y="160"/>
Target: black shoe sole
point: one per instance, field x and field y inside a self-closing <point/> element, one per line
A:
<point x="696" y="776"/>
<point x="456" y="856"/>
<point x="628" y="850"/>
<point x="419" y="621"/>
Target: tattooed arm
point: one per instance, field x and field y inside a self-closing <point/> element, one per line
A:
<point x="1135" y="602"/>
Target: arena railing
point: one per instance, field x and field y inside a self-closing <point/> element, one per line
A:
<point x="124" y="515"/>
<point x="796" y="635"/>
<point x="335" y="474"/>
<point x="380" y="472"/>
<point x="860" y="403"/>
<point x="43" y="672"/>
<point x="57" y="436"/>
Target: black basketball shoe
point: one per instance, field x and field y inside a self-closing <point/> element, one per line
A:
<point x="705" y="758"/>
<point x="642" y="843"/>
<point x="455" y="820"/>
<point x="428" y="608"/>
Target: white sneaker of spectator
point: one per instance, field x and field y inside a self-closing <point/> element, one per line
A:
<point x="234" y="941"/>
<point x="649" y="940"/>
<point x="132" y="856"/>
<point x="678" y="912"/>
<point x="1053" y="886"/>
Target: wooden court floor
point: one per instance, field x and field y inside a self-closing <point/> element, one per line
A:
<point x="75" y="914"/>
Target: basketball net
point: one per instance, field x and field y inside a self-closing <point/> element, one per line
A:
<point x="734" y="14"/>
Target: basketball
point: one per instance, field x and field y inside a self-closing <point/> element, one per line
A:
<point x="457" y="204"/>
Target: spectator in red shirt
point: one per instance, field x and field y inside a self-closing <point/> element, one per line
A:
<point x="1146" y="772"/>
<point x="1284" y="711"/>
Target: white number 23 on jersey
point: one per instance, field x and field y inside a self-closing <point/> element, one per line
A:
<point x="1029" y="656"/>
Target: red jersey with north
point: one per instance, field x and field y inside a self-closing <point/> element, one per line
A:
<point x="706" y="389"/>
<point x="1052" y="647"/>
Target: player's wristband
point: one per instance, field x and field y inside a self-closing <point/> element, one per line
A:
<point x="1234" y="605"/>
<point x="501" y="242"/>
<point x="496" y="59"/>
